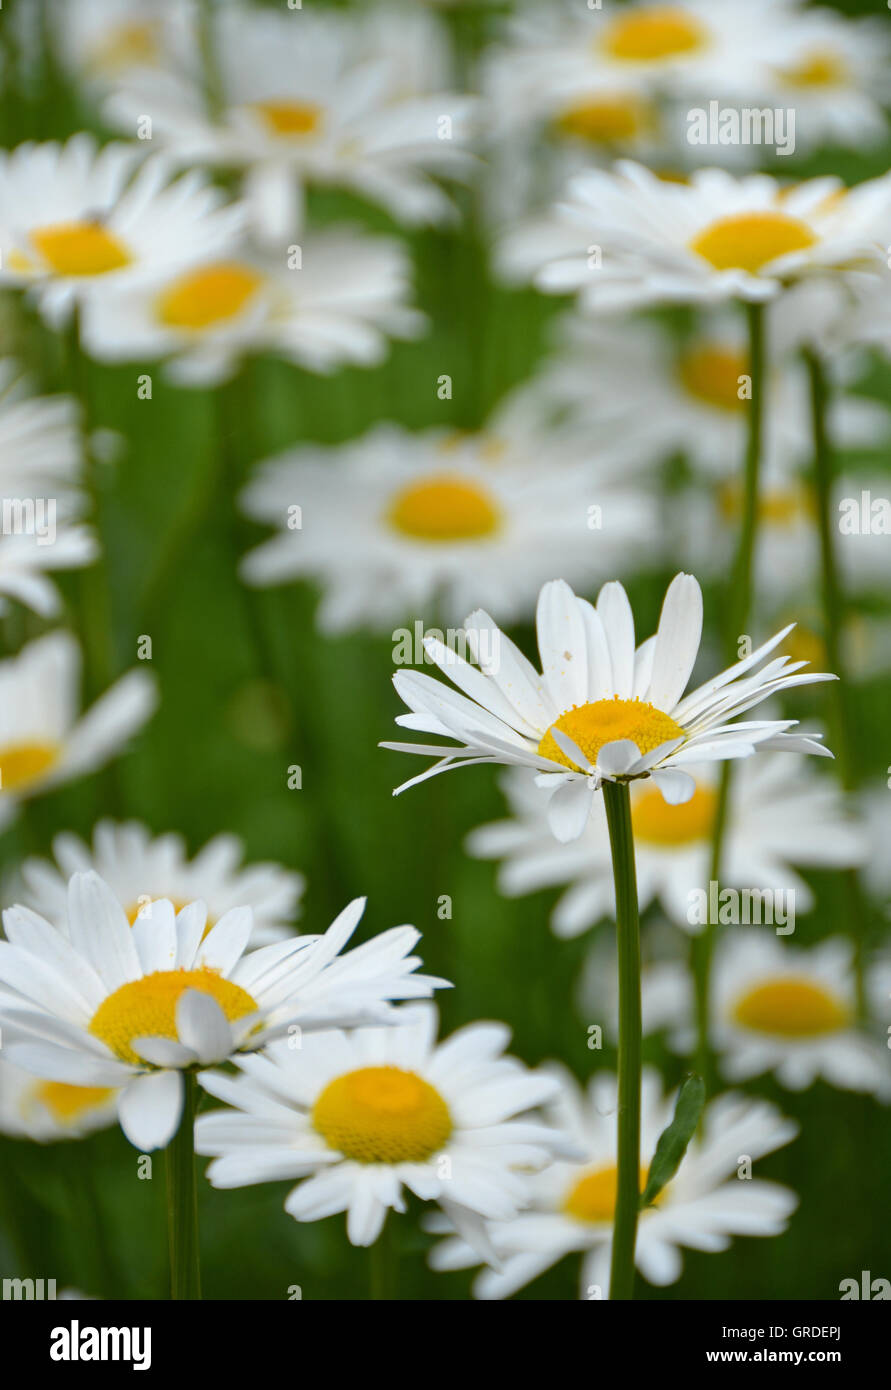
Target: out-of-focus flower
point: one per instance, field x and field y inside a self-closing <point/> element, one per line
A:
<point x="41" y="455"/>
<point x="364" y="1115"/>
<point x="780" y="814"/>
<point x="43" y="743"/>
<point x="132" y="1007"/>
<point x="437" y="519"/>
<point x="601" y="709"/>
<point x="26" y="555"/>
<point x="573" y="1204"/>
<point x="140" y="868"/>
<point x="51" y="1110"/>
<point x="100" y="43"/>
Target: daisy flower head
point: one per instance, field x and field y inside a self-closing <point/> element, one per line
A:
<point x="602" y="709"/>
<point x="141" y="868"/>
<point x="26" y="555"/>
<point x="443" y="517"/>
<point x="78" y="221"/>
<point x="705" y="1204"/>
<point x="41" y="453"/>
<point x="309" y="98"/>
<point x="780" y="814"/>
<point x="338" y="298"/>
<point x="134" y="1007"/>
<point x="43" y="743"/>
<point x="626" y="237"/>
<point x="101" y="43"/>
<point x="51" y="1111"/>
<point x="362" y="1116"/>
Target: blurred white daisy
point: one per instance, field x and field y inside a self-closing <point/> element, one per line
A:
<point x="100" y="43"/>
<point x="711" y="1198"/>
<point x="364" y="1115"/>
<point x="626" y="237"/>
<point x="309" y="98"/>
<point x="77" y="220"/>
<point x="47" y="1111"/>
<point x="602" y="709"/>
<point x="43" y="742"/>
<point x="436" y="519"/>
<point x="26" y="556"/>
<point x="341" y="302"/>
<point x="133" y="1007"/>
<point x="140" y="868"/>
<point x="780" y="814"/>
<point x="41" y="453"/>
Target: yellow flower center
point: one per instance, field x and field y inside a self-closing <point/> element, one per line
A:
<point x="66" y="1103"/>
<point x="22" y="764"/>
<point x="657" y="823"/>
<point x="820" y="68"/>
<point x="290" y="118"/>
<point x="648" y="36"/>
<point x="444" y="508"/>
<point x="382" y="1115"/>
<point x="751" y="240"/>
<point x="778" y="506"/>
<point x="804" y="644"/>
<point x="126" y="46"/>
<point x="80" y="248"/>
<point x="592" y="1198"/>
<point x="591" y="726"/>
<point x="790" y="1008"/>
<point x="146" y="1008"/>
<point x="711" y="374"/>
<point x="203" y="298"/>
<point x="605" y="120"/>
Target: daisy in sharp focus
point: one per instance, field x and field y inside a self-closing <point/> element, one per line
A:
<point x="780" y="814"/>
<point x="705" y="1204"/>
<point x="438" y="519"/>
<point x="711" y="238"/>
<point x="141" y="868"/>
<point x="43" y="742"/>
<point x="362" y="1116"/>
<point x="135" y="1007"/>
<point x="78" y="221"/>
<point x="340" y="303"/>
<point x="602" y="709"/>
<point x="309" y="98"/>
<point x="51" y="1111"/>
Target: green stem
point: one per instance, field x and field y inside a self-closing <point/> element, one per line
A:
<point x="833" y="603"/>
<point x="382" y="1265"/>
<point x="739" y="608"/>
<point x="182" y="1201"/>
<point x="618" y="814"/>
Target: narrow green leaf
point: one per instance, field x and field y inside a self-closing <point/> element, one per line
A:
<point x="673" y="1141"/>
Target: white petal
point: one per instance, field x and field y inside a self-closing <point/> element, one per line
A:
<point x="149" y="1109"/>
<point x="569" y="808"/>
<point x="675" y="786"/>
<point x="618" y="623"/>
<point x="202" y="1026"/>
<point x="677" y="642"/>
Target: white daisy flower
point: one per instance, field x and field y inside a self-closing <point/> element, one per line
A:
<point x="43" y="743"/>
<point x="78" y="221"/>
<point x="438" y="518"/>
<point x="48" y="1111"/>
<point x="601" y="709"/>
<point x="41" y="454"/>
<point x="341" y="302"/>
<point x="308" y="98"/>
<point x="140" y="868"/>
<point x="626" y="238"/>
<point x="26" y="556"/>
<point x="706" y="1203"/>
<point x="104" y="41"/>
<point x="363" y="1115"/>
<point x="780" y="814"/>
<point x="133" y="1007"/>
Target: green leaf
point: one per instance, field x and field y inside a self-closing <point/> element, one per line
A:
<point x="673" y="1141"/>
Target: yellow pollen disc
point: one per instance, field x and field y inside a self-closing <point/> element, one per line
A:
<point x="821" y="68"/>
<point x="291" y="118"/>
<point x="790" y="1008"/>
<point x="656" y="823"/>
<point x="444" y="508"/>
<point x="24" y="763"/>
<point x="712" y="374"/>
<point x="147" y="1007"/>
<point x="208" y="296"/>
<point x="751" y="240"/>
<point x="604" y="721"/>
<point x="127" y="46"/>
<point x="650" y="35"/>
<point x="784" y="507"/>
<point x="382" y="1115"/>
<point x="606" y="119"/>
<point x="80" y="248"/>
<point x="592" y="1198"/>
<point x="68" y="1104"/>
